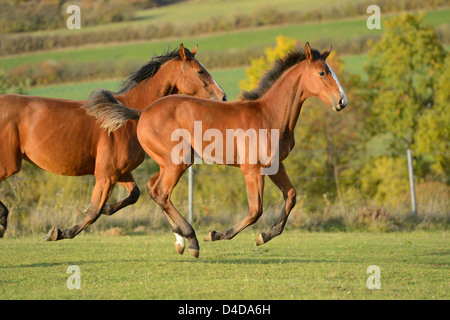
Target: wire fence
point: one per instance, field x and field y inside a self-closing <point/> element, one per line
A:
<point x="31" y="175"/>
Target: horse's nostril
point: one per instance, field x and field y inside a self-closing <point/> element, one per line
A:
<point x="224" y="98"/>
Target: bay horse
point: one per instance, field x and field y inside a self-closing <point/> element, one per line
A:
<point x="62" y="136"/>
<point x="274" y="105"/>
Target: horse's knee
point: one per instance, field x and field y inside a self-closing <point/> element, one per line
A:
<point x="93" y="213"/>
<point x="159" y="197"/>
<point x="153" y="193"/>
<point x="153" y="190"/>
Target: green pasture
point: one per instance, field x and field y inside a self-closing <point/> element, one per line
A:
<point x="238" y="40"/>
<point x="296" y="265"/>
<point x="74" y="91"/>
<point x="194" y="11"/>
<point x="201" y="10"/>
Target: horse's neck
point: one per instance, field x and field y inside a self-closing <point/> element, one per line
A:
<point x="146" y="92"/>
<point x="284" y="102"/>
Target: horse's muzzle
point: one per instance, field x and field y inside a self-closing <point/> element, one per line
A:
<point x="341" y="105"/>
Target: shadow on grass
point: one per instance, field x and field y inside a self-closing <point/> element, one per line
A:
<point x="262" y="261"/>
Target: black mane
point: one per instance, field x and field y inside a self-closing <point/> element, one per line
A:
<point x="149" y="69"/>
<point x="280" y="66"/>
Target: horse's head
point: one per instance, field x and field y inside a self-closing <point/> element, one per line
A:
<point x="193" y="79"/>
<point x="320" y="80"/>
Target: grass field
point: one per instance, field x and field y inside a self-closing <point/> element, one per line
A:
<point x="194" y="11"/>
<point x="186" y="12"/>
<point x="296" y="265"/>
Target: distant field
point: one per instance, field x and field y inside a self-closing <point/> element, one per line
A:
<point x="188" y="12"/>
<point x="194" y="11"/>
<point x="334" y="30"/>
<point x="296" y="265"/>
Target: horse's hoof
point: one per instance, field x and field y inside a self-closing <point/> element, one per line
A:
<point x="260" y="239"/>
<point x="53" y="235"/>
<point x="2" y="231"/>
<point x="179" y="248"/>
<point x="194" y="252"/>
<point x="210" y="235"/>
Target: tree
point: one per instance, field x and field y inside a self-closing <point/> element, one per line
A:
<point x="13" y="86"/>
<point x="408" y="93"/>
<point x="432" y="139"/>
<point x="260" y="65"/>
<point x="402" y="78"/>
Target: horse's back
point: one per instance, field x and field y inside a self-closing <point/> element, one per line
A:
<point x="179" y="111"/>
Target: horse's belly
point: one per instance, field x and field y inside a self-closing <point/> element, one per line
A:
<point x="61" y="161"/>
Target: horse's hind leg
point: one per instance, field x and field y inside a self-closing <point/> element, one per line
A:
<point x="160" y="188"/>
<point x="282" y="181"/>
<point x="127" y="181"/>
<point x="255" y="187"/>
<point x="102" y="190"/>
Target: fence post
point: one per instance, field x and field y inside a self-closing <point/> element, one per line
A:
<point x="411" y="183"/>
<point x="191" y="193"/>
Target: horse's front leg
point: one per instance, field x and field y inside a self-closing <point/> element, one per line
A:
<point x="255" y="188"/>
<point x="102" y="190"/>
<point x="160" y="187"/>
<point x="282" y="181"/>
<point x="126" y="181"/>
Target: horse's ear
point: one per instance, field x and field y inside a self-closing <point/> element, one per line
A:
<point x="194" y="51"/>
<point x="308" y="52"/>
<point x="326" y="53"/>
<point x="182" y="53"/>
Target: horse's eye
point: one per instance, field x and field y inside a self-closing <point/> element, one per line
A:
<point x="322" y="73"/>
<point x="200" y="71"/>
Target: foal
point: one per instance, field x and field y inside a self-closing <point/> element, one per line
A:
<point x="271" y="110"/>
